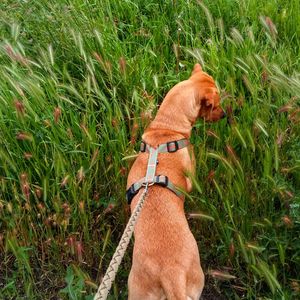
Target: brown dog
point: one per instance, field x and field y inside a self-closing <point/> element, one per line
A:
<point x="166" y="262"/>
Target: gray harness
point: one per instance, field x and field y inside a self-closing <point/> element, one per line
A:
<point x="150" y="177"/>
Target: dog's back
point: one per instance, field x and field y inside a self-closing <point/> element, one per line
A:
<point x="166" y="261"/>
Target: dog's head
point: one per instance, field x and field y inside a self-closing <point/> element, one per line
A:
<point x="207" y="96"/>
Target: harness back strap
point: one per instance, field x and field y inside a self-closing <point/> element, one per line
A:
<point x="151" y="168"/>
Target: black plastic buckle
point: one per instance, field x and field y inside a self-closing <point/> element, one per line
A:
<point x="143" y="147"/>
<point x="170" y="144"/>
<point x="164" y="183"/>
<point x="130" y="193"/>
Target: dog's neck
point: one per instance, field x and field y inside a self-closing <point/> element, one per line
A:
<point x="179" y="110"/>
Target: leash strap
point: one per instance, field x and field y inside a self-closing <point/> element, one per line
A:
<point x="113" y="267"/>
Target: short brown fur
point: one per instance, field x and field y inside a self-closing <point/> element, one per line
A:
<point x="166" y="262"/>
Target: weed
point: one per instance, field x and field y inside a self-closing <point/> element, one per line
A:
<point x="79" y="82"/>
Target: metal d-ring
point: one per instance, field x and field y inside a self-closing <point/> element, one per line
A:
<point x="148" y="183"/>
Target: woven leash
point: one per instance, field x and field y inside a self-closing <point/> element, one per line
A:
<point x="115" y="262"/>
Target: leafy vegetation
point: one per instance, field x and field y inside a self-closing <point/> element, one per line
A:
<point x="79" y="82"/>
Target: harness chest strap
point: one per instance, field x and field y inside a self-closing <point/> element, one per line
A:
<point x="167" y="147"/>
<point x="151" y="168"/>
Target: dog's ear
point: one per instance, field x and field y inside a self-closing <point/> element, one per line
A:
<point x="197" y="68"/>
<point x="210" y="108"/>
<point x="211" y="99"/>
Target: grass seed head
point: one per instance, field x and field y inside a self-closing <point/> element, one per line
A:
<point x="27" y="206"/>
<point x="64" y="223"/>
<point x="81" y="206"/>
<point x="212" y="133"/>
<point x="271" y="26"/>
<point x="109" y="208"/>
<point x="294" y="116"/>
<point x="80" y="175"/>
<point x="38" y="193"/>
<point x="41" y="206"/>
<point x="229" y="113"/>
<point x="67" y="209"/>
<point x="71" y="244"/>
<point x="79" y="251"/>
<point x="240" y="101"/>
<point x="122" y="64"/>
<point x="95" y="155"/>
<point x="48" y="242"/>
<point x="280" y="137"/>
<point x="108" y="66"/>
<point x="96" y="196"/>
<point x="27" y="155"/>
<point x="48" y="221"/>
<point x="287" y="221"/>
<point x="123" y="171"/>
<point x="64" y="181"/>
<point x="231" y="152"/>
<point x="289" y="194"/>
<point x="231" y="249"/>
<point x="148" y="96"/>
<point x="285" y="108"/>
<point x="211" y="175"/>
<point x="47" y="123"/>
<point x="295" y="285"/>
<point x="15" y="56"/>
<point x="56" y="114"/>
<point x="9" y="207"/>
<point x="146" y="116"/>
<point x="114" y="123"/>
<point x="133" y="140"/>
<point x="135" y="127"/>
<point x="70" y="133"/>
<point x="23" y="177"/>
<point x="221" y="275"/>
<point x="26" y="190"/>
<point x="264" y="76"/>
<point x="98" y="57"/>
<point x="20" y="108"/>
<point x="24" y="136"/>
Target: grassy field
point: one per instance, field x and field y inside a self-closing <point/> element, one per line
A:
<point x="79" y="82"/>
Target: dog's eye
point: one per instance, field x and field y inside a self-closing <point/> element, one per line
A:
<point x="210" y="107"/>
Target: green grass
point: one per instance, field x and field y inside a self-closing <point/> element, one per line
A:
<point x="79" y="81"/>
